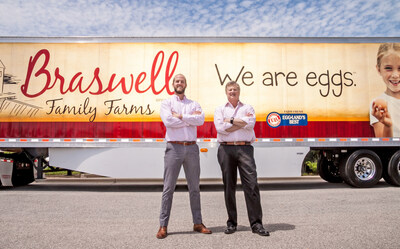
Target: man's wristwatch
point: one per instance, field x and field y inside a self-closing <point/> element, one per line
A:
<point x="232" y="120"/>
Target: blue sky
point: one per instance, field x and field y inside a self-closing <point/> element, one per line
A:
<point x="270" y="18"/>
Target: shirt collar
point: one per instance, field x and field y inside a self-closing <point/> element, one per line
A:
<point x="229" y="104"/>
<point x="178" y="99"/>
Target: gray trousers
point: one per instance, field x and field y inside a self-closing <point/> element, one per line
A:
<point x="177" y="155"/>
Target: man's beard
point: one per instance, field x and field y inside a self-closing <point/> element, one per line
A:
<point x="179" y="91"/>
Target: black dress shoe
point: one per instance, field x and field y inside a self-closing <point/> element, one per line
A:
<point x="230" y="229"/>
<point x="260" y="230"/>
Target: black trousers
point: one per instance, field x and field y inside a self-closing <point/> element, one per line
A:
<point x="231" y="158"/>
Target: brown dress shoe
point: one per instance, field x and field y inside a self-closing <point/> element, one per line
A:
<point x="201" y="229"/>
<point x="162" y="233"/>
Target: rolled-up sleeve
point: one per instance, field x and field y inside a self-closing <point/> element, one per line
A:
<point x="167" y="118"/>
<point x="219" y="123"/>
<point x="250" y="120"/>
<point x="194" y="119"/>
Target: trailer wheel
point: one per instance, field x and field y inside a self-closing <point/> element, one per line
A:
<point x="328" y="171"/>
<point x="22" y="170"/>
<point x="362" y="169"/>
<point x="385" y="162"/>
<point x="393" y="169"/>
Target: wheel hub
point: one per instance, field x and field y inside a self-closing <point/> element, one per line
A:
<point x="365" y="168"/>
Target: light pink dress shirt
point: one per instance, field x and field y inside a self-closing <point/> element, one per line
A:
<point x="241" y="111"/>
<point x="184" y="129"/>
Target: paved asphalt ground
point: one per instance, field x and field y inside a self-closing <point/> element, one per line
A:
<point x="306" y="213"/>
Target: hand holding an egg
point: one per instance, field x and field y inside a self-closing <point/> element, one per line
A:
<point x="380" y="111"/>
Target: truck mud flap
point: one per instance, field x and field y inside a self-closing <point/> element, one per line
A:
<point x="6" y="168"/>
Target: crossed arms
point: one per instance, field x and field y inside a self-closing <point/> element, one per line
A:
<point x="173" y="119"/>
<point x="224" y="126"/>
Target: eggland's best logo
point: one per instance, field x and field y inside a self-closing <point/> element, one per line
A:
<point x="273" y="119"/>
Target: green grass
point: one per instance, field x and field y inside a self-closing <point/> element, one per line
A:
<point x="60" y="172"/>
<point x="312" y="168"/>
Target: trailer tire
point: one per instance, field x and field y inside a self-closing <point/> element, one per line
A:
<point x="22" y="170"/>
<point x="328" y="171"/>
<point x="22" y="178"/>
<point x="385" y="163"/>
<point x="361" y="168"/>
<point x="393" y="169"/>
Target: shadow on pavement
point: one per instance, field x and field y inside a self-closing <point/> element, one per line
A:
<point x="134" y="187"/>
<point x="220" y="229"/>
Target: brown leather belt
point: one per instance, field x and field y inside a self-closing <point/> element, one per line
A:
<point x="182" y="142"/>
<point x="236" y="143"/>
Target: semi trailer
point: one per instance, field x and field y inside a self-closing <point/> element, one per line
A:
<point x="91" y="104"/>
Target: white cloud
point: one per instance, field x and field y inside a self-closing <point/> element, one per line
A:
<point x="246" y="4"/>
<point x="199" y="18"/>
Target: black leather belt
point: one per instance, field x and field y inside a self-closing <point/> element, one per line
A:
<point x="236" y="143"/>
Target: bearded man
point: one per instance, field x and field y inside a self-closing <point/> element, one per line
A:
<point x="181" y="116"/>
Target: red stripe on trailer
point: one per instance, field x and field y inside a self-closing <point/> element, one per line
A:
<point x="93" y="140"/>
<point x="342" y="129"/>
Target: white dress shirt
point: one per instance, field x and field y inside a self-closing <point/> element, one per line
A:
<point x="243" y="112"/>
<point x="184" y="129"/>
